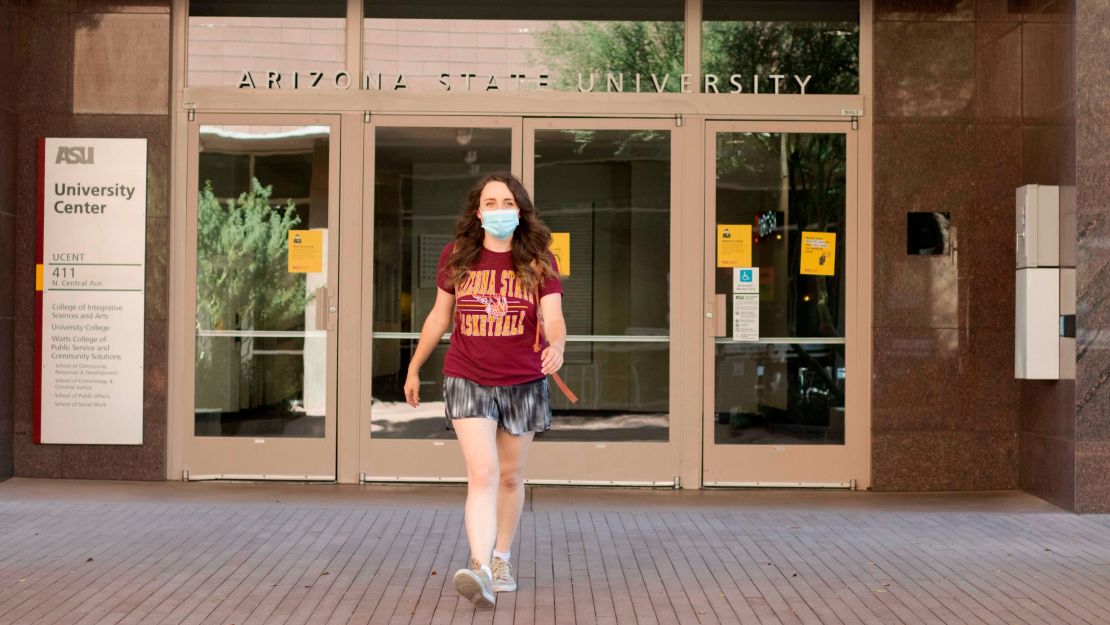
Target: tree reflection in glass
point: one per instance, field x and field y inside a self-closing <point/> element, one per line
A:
<point x="784" y="391"/>
<point x="248" y="383"/>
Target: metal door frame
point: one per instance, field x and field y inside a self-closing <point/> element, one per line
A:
<point x="242" y="457"/>
<point x="805" y="466"/>
<point x="554" y="462"/>
<point x="405" y="460"/>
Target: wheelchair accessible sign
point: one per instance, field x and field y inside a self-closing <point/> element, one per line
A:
<point x="745" y="304"/>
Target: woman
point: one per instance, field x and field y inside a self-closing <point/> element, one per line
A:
<point x="495" y="281"/>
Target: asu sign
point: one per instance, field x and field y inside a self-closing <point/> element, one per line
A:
<point x="90" y="282"/>
<point x="74" y="155"/>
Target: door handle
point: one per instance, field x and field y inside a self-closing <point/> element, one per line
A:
<point x="333" y="308"/>
<point x="321" y="308"/>
<point x="720" y="306"/>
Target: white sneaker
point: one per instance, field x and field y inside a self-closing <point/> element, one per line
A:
<point x="503" y="580"/>
<point x="476" y="585"/>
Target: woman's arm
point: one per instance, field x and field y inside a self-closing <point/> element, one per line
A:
<point x="555" y="331"/>
<point x="437" y="323"/>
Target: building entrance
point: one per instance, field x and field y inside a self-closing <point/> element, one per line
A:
<point x="263" y="200"/>
<point x="639" y="129"/>
<point x="609" y="190"/>
<point x="684" y="378"/>
<point x="780" y="399"/>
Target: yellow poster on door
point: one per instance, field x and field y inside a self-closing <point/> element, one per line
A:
<point x="560" y="248"/>
<point x="306" y="251"/>
<point x="734" y="245"/>
<point x="818" y="253"/>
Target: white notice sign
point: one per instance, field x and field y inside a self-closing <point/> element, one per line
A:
<point x="745" y="304"/>
<point x="745" y="317"/>
<point x="91" y="263"/>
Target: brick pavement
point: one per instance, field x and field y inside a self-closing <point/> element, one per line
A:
<point x="80" y="552"/>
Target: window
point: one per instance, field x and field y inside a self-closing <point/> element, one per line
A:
<point x="276" y="45"/>
<point x="510" y="46"/>
<point x="804" y="46"/>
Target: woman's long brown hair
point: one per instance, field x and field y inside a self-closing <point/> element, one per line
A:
<point x="531" y="239"/>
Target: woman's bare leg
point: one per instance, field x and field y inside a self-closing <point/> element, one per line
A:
<point x="477" y="438"/>
<point x="512" y="453"/>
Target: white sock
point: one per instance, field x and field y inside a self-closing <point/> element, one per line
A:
<point x="503" y="555"/>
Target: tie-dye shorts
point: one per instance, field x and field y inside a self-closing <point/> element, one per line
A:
<point x="517" y="409"/>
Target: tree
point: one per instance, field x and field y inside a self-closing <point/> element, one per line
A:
<point x="828" y="51"/>
<point x="570" y="48"/>
<point x="242" y="282"/>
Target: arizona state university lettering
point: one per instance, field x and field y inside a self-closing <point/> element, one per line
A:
<point x="593" y="81"/>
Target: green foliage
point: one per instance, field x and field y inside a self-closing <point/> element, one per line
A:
<point x="241" y="263"/>
<point x="618" y="47"/>
<point x="828" y="51"/>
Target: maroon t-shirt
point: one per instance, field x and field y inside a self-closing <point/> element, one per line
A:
<point x="495" y="322"/>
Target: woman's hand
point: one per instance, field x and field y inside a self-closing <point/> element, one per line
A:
<point x="430" y="335"/>
<point x="555" y="329"/>
<point x="412" y="389"/>
<point x="552" y="359"/>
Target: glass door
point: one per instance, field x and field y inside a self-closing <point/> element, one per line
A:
<point x="418" y="170"/>
<point x="262" y="209"/>
<point x="780" y="265"/>
<point x="606" y="187"/>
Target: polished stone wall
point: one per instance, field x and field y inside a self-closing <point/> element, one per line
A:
<point x="1092" y="388"/>
<point x="1047" y="409"/>
<point x="971" y="101"/>
<point x="9" y="26"/>
<point x="92" y="68"/>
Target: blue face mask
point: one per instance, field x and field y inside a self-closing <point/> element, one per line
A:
<point x="500" y="223"/>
